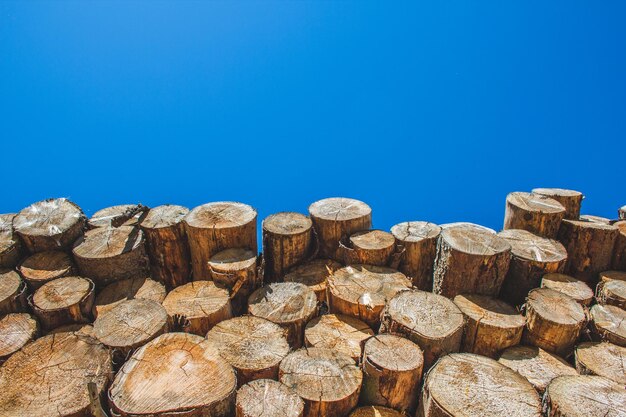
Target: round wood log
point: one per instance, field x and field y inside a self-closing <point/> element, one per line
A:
<point x="536" y="365"/>
<point x="289" y="304"/>
<point x="609" y="323"/>
<point x="589" y="247"/>
<point x="253" y="346"/>
<point x="603" y="359"/>
<point x="201" y="303"/>
<point x="432" y="321"/>
<point x="328" y="382"/>
<point x="127" y="289"/>
<point x="166" y="244"/>
<point x="368" y="247"/>
<point x="619" y="250"/>
<point x="12" y="292"/>
<point x="78" y="328"/>
<point x="49" y="376"/>
<point x="287" y="241"/>
<point x="115" y="216"/>
<point x="621" y="212"/>
<point x="334" y="219"/>
<point x="535" y="213"/>
<point x="612" y="293"/>
<point x="340" y="333"/>
<point x="419" y="243"/>
<point x="553" y="321"/>
<point x="361" y="291"/>
<point x="265" y="397"/>
<point x="584" y="396"/>
<point x="571" y="286"/>
<point x="490" y="325"/>
<point x="464" y="384"/>
<point x="16" y="330"/>
<point x="175" y="374"/>
<point x="42" y="267"/>
<point x="606" y="276"/>
<point x="532" y="257"/>
<point x="63" y="301"/>
<point x="375" y="411"/>
<point x="392" y="372"/>
<point x="570" y="199"/>
<point x="314" y="274"/>
<point x="595" y="219"/>
<point x="467" y="225"/>
<point x="213" y="227"/>
<point x="236" y="270"/>
<point x="107" y="254"/>
<point x="11" y="249"/>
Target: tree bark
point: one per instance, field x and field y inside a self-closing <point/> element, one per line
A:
<point x="13" y="292"/>
<point x="570" y="199"/>
<point x="16" y="330"/>
<point x="43" y="267"/>
<point x="571" y="286"/>
<point x="535" y="213"/>
<point x="128" y="289"/>
<point x="613" y="293"/>
<point x="116" y="216"/>
<point x="11" y="249"/>
<point x="237" y="270"/>
<point x="287" y="241"/>
<point x="619" y="251"/>
<point x="583" y="396"/>
<point x="340" y="333"/>
<point x="609" y="323"/>
<point x="314" y="274"/>
<point x="418" y="241"/>
<point x="603" y="359"/>
<point x="368" y="247"/>
<point x="64" y="301"/>
<point x="264" y="397"/>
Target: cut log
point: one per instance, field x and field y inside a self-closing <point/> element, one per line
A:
<point x="166" y="244"/>
<point x="571" y="286"/>
<point x="532" y="257"/>
<point x="603" y="359"/>
<point x="340" y="333"/>
<point x="12" y="292"/>
<point x="490" y="325"/>
<point x="621" y="212"/>
<point x="432" y="321"/>
<point x="368" y="247"/>
<point x="174" y="374"/>
<point x="127" y="289"/>
<point x="80" y="329"/>
<point x="619" y="251"/>
<point x="237" y="271"/>
<point x="327" y="381"/>
<point x="63" y="301"/>
<point x="314" y="274"/>
<point x="116" y="216"/>
<point x="43" y="267"/>
<point x="392" y="372"/>
<point x="470" y="260"/>
<point x="264" y="398"/>
<point x="202" y="305"/>
<point x="11" y="249"/>
<point x="253" y="346"/>
<point x="288" y="304"/>
<point x="16" y="330"/>
<point x="553" y="321"/>
<point x="213" y="227"/>
<point x="375" y="411"/>
<point x="535" y="213"/>
<point x="287" y="241"/>
<point x="606" y="276"/>
<point x="595" y="219"/>
<point x="584" y="396"/>
<point x="361" y="291"/>
<point x="536" y="365"/>
<point x="49" y="376"/>
<point x="609" y="323"/>
<point x="612" y="293"/>
<point x="49" y="225"/>
<point x="108" y="254"/>
<point x="418" y="241"/>
<point x="467" y="225"/>
<point x="589" y="247"/>
<point x="334" y="219"/>
<point x="464" y="384"/>
<point x="570" y="199"/>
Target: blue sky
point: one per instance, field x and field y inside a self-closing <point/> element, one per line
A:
<point x="425" y="111"/>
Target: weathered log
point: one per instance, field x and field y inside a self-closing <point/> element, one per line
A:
<point x="584" y="396"/>
<point x="606" y="276"/>
<point x="595" y="219"/>
<point x="11" y="249"/>
<point x="621" y="212"/>
<point x="570" y="199"/>
<point x="609" y="323"/>
<point x="470" y="260"/>
<point x="265" y="397"/>
<point x="175" y="374"/>
<point x="368" y="247"/>
<point x="81" y="329"/>
<point x="467" y="225"/>
<point x="490" y="325"/>
<point x="236" y="270"/>
<point x="127" y="289"/>
<point x="603" y="359"/>
<point x="613" y="293"/>
<point x="16" y="330"/>
<point x="340" y="333"/>
<point x="252" y="345"/>
<point x="418" y="241"/>
<point x="432" y="321"/>
<point x="328" y="382"/>
<point x="201" y="303"/>
<point x="532" y="257"/>
<point x="392" y="372"/>
<point x="116" y="216"/>
<point x="288" y="304"/>
<point x="64" y="301"/>
<point x="334" y="219"/>
<point x="464" y="384"/>
<point x="287" y="241"/>
<point x="166" y="244"/>
<point x="619" y="250"/>
<point x="571" y="286"/>
<point x="375" y="411"/>
<point x="12" y="292"/>
<point x="213" y="227"/>
<point x="361" y="291"/>
<point x="314" y="274"/>
<point x="42" y="267"/>
<point x="535" y="213"/>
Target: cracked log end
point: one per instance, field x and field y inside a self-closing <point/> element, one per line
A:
<point x="266" y="397"/>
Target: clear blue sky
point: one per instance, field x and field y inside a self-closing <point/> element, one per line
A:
<point x="425" y="111"/>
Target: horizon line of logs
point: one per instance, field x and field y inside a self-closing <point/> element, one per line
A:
<point x="165" y="311"/>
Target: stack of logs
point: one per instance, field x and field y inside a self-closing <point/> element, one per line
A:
<point x="168" y="311"/>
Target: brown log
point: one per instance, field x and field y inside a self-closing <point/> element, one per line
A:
<point x="613" y="293"/>
<point x="532" y="257"/>
<point x="470" y="260"/>
<point x="127" y="289"/>
<point x="392" y="372"/>
<point x="375" y="411"/>
<point x="490" y="325"/>
<point x="570" y="199"/>
<point x="334" y="219"/>
<point x="49" y="376"/>
<point x="288" y="304"/>
<point x="595" y="219"/>
<point x="467" y="225"/>
<point x="42" y="267"/>
<point x="340" y="333"/>
<point x="116" y="216"/>
<point x="606" y="276"/>
<point x="584" y="396"/>
<point x="287" y="241"/>
<point x="464" y="384"/>
<point x="81" y="329"/>
<point x="609" y="323"/>
<point x="175" y="374"/>
<point x="368" y="247"/>
<point x="432" y="321"/>
<point x="314" y="274"/>
<point x="621" y="212"/>
<point x="418" y="241"/>
<point x="265" y="397"/>
<point x="361" y="291"/>
<point x="328" y="382"/>
<point x="16" y="330"/>
<point x="201" y="303"/>
<point x="603" y="359"/>
<point x="571" y="286"/>
<point x="535" y="213"/>
<point x="166" y="244"/>
<point x="251" y="345"/>
<point x="213" y="227"/>
<point x="619" y="251"/>
<point x="64" y="301"/>
<point x="11" y="249"/>
<point x="12" y="292"/>
<point x="237" y="271"/>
